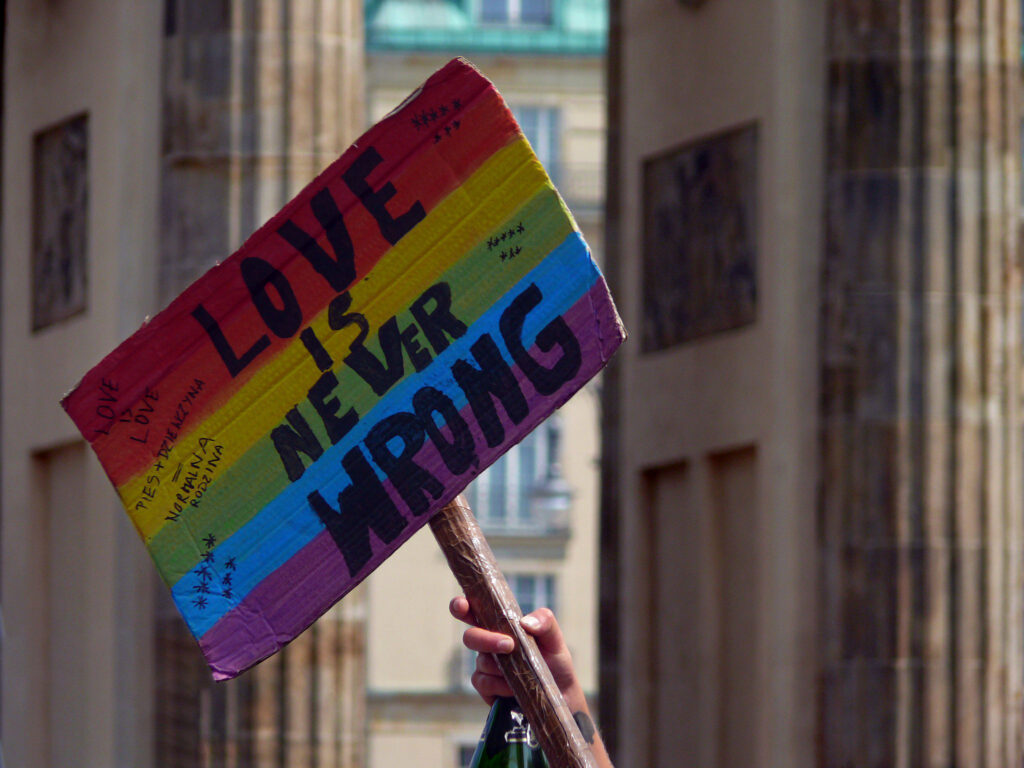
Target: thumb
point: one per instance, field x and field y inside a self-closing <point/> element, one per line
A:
<point x="543" y="625"/>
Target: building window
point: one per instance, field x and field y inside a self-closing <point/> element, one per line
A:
<point x="533" y="13"/>
<point x="541" y="126"/>
<point x="500" y="496"/>
<point x="699" y="259"/>
<point x="60" y="213"/>
<point x="524" y="492"/>
<point x="533" y="591"/>
<point x="464" y="755"/>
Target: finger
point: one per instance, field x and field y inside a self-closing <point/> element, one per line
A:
<point x="543" y="626"/>
<point x="545" y="630"/>
<point x="459" y="608"/>
<point x="490" y="686"/>
<point x="486" y="664"/>
<point x="485" y="641"/>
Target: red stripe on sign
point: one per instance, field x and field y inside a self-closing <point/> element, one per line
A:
<point x="195" y="355"/>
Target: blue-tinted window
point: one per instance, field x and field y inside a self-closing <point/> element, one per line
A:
<point x="500" y="497"/>
<point x="536" y="12"/>
<point x="533" y="13"/>
<point x="465" y="756"/>
<point x="494" y="11"/>
<point x="533" y="591"/>
<point x="541" y="126"/>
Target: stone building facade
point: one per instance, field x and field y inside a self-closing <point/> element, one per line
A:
<point x="142" y="142"/>
<point x="812" y="523"/>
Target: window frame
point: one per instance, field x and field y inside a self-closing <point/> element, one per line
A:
<point x="505" y="506"/>
<point x="513" y="14"/>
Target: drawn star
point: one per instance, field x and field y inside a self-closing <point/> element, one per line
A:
<point x="433" y="115"/>
<point x="437" y="137"/>
<point x="443" y="110"/>
<point x="448" y="130"/>
<point x="202" y="588"/>
<point x="228" y="593"/>
<point x="456" y="103"/>
<point x="203" y="571"/>
<point x="200" y="602"/>
<point x="210" y="541"/>
<point x="208" y="557"/>
<point x="520" y="228"/>
<point x="417" y="122"/>
<point x="229" y="564"/>
<point x="456" y="124"/>
<point x="226" y="580"/>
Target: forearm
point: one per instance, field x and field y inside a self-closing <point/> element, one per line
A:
<point x="577" y="703"/>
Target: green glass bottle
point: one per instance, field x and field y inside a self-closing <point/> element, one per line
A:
<point x="508" y="740"/>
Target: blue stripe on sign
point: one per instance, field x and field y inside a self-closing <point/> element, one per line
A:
<point x="287" y="523"/>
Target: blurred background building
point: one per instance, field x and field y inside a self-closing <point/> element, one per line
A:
<point x="811" y="495"/>
<point x="813" y="511"/>
<point x="538" y="505"/>
<point x="143" y="142"/>
<point x="147" y="141"/>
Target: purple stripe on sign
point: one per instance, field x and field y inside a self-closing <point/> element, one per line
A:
<point x="293" y="596"/>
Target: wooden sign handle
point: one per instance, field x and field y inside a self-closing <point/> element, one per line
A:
<point x="496" y="608"/>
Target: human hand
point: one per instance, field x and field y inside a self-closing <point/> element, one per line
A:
<point x="543" y="626"/>
<point x="490" y="683"/>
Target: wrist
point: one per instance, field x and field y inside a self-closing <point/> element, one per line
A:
<point x="575" y="699"/>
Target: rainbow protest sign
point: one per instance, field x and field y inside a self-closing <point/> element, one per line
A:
<point x="305" y="406"/>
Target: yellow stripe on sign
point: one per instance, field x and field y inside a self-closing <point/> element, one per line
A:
<point x="463" y="219"/>
<point x="474" y="290"/>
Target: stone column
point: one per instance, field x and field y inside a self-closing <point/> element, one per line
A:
<point x="259" y="97"/>
<point x="921" y="505"/>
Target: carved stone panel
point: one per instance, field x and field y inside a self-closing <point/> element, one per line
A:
<point x="700" y="239"/>
<point x="59" y="220"/>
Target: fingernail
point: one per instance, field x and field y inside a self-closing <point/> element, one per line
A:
<point x="505" y="645"/>
<point x="531" y="622"/>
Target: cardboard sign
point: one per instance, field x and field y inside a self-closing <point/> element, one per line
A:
<point x="305" y="406"/>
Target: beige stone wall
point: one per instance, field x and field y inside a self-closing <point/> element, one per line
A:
<point x="717" y="444"/>
<point x="819" y="513"/>
<point x="921" y="511"/>
<point x="259" y="98"/>
<point x="202" y="118"/>
<point x="76" y="583"/>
